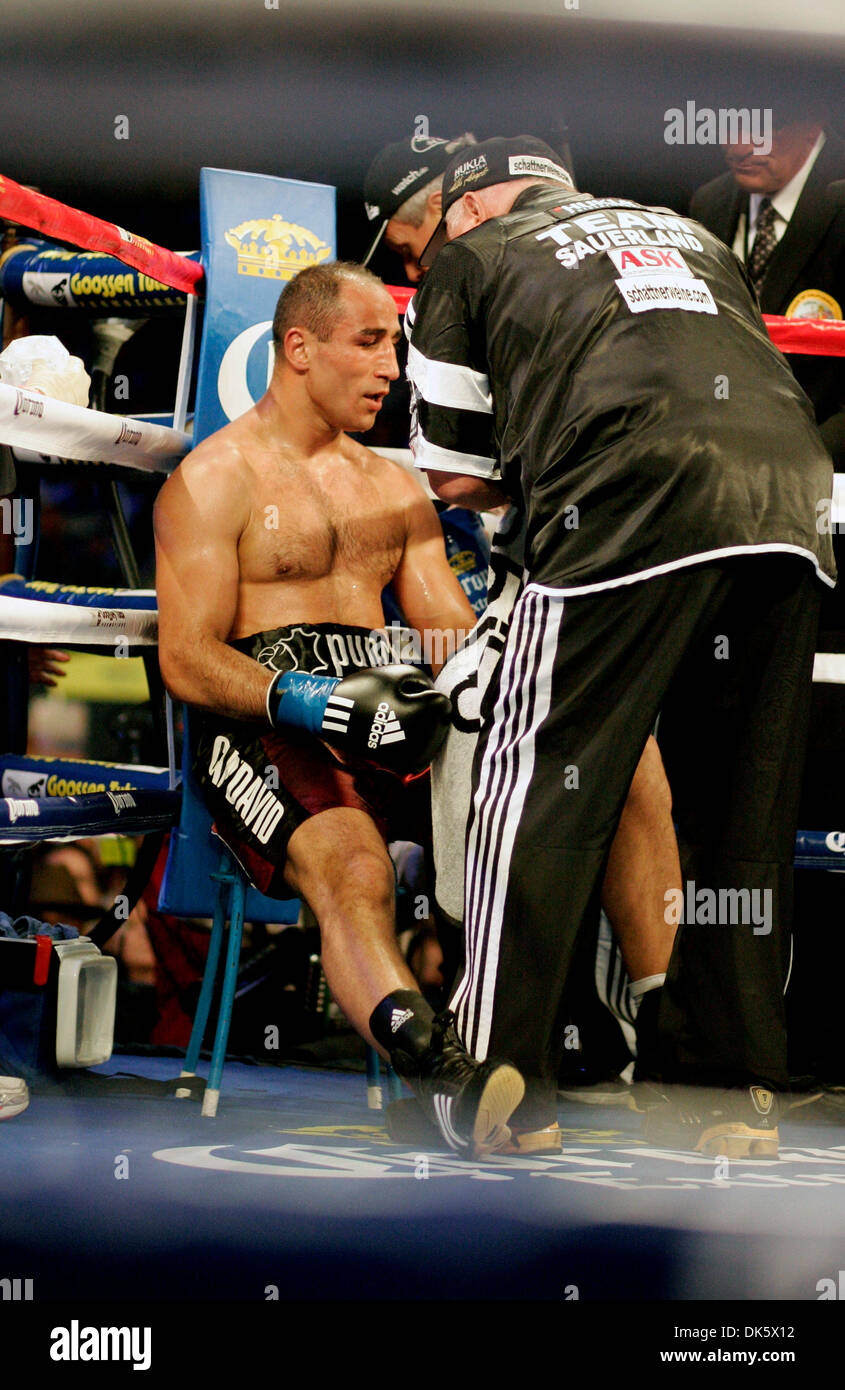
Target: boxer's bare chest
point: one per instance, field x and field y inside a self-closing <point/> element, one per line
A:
<point x="320" y="530"/>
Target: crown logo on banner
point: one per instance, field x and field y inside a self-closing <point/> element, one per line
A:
<point x="275" y="249"/>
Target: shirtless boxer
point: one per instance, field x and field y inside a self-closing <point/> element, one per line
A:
<point x="275" y="538"/>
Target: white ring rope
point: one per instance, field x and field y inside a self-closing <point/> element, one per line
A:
<point x="29" y="420"/>
<point x="30" y="620"/>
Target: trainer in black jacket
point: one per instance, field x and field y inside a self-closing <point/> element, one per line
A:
<point x="605" y="365"/>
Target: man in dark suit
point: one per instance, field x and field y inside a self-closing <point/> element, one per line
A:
<point x="787" y="224"/>
<point x="799" y="271"/>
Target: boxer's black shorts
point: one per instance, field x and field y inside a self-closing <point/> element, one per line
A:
<point x="261" y="783"/>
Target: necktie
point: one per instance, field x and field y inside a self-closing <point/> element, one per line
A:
<point x="764" y="243"/>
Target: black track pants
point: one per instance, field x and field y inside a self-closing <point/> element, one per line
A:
<point x="723" y="653"/>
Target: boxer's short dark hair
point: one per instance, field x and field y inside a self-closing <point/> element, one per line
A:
<point x="312" y="298"/>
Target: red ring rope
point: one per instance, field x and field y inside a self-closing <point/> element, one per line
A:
<point x="816" y="337"/>
<point x="55" y="219"/>
<point x="819" y="337"/>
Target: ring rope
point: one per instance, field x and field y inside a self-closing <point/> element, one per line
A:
<point x="22" y="776"/>
<point x="50" y="277"/>
<point x="31" y="620"/>
<point x="12" y="586"/>
<point x="814" y="337"/>
<point x="29" y="420"/>
<point x="57" y="220"/>
<point x="136" y="812"/>
<point x="820" y="849"/>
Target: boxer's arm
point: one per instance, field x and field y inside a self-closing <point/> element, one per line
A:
<point x="426" y="588"/>
<point x="199" y="517"/>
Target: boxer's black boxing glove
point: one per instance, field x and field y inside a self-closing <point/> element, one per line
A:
<point x="391" y="715"/>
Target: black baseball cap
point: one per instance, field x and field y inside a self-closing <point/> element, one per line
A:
<point x="494" y="161"/>
<point x="395" y="175"/>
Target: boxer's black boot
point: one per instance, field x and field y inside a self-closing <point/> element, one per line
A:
<point x="470" y="1102"/>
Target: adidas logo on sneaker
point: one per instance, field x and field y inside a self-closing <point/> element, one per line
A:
<point x="398" y="1017"/>
<point x="385" y="727"/>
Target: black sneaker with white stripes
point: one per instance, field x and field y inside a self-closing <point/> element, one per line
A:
<point x="470" y="1102"/>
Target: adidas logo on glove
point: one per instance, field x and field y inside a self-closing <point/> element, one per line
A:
<point x="392" y="715"/>
<point x="385" y="727"/>
<point x="398" y="1017"/>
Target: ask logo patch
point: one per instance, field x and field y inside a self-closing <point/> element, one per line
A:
<point x="639" y="260"/>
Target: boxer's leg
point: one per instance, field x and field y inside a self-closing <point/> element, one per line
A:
<point x="319" y="839"/>
<point x="642" y="868"/>
<point x="338" y="863"/>
<point x="643" y="864"/>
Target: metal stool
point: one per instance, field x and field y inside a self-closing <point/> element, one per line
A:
<point x="231" y="898"/>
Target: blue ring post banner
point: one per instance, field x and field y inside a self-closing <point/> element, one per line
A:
<point x="257" y="232"/>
